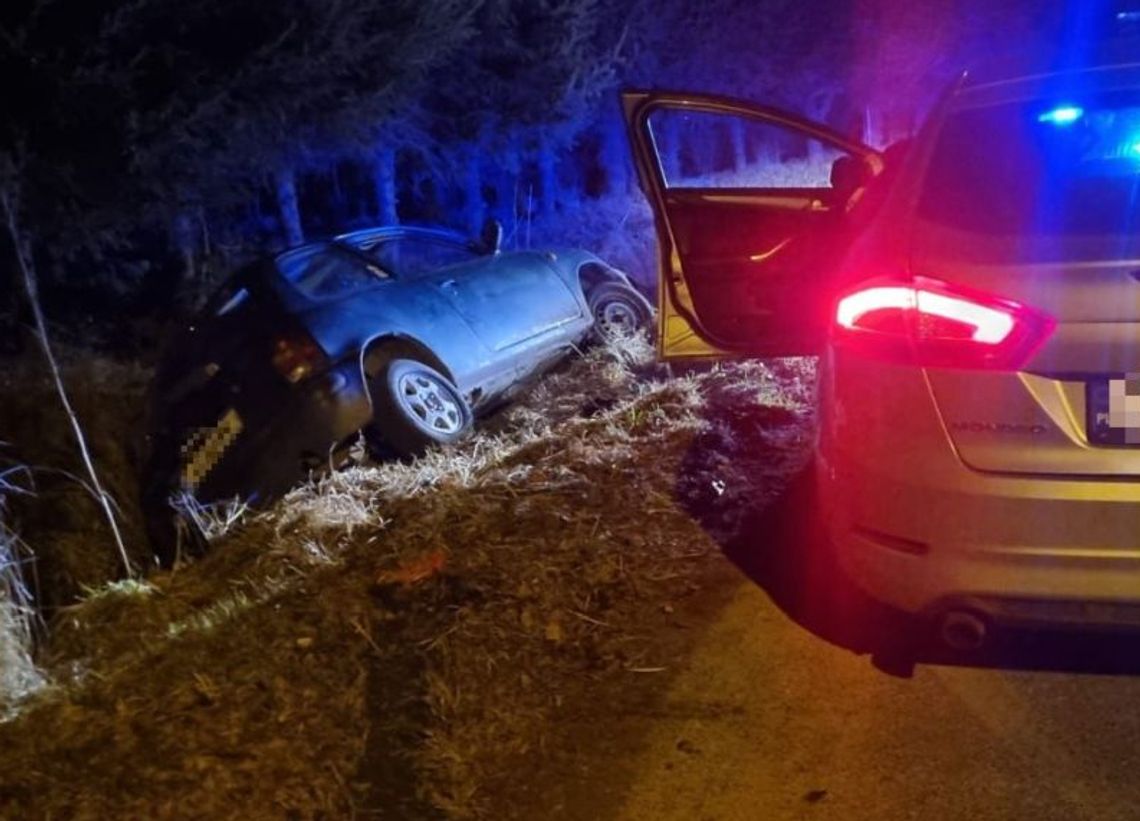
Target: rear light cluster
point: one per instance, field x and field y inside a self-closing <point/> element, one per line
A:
<point x="298" y="357"/>
<point x="932" y="324"/>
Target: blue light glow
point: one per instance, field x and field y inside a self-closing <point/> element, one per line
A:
<point x="1062" y="115"/>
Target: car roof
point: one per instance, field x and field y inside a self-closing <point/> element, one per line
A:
<point x="1116" y="56"/>
<point x="363" y="237"/>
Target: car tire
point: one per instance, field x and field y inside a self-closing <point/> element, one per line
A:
<point x="617" y="310"/>
<point x="414" y="406"/>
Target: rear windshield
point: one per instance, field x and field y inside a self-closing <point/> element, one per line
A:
<point x="325" y="271"/>
<point x="1052" y="179"/>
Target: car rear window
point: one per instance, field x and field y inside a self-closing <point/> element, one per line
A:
<point x="1047" y="179"/>
<point x="325" y="271"/>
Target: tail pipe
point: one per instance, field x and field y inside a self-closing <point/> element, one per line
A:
<point x="962" y="630"/>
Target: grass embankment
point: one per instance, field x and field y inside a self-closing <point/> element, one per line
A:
<point x="400" y="639"/>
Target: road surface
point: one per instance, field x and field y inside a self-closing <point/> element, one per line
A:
<point x="777" y="711"/>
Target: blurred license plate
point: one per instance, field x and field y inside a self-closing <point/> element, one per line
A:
<point x="207" y="446"/>
<point x="1113" y="410"/>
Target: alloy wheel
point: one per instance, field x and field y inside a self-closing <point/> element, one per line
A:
<point x="431" y="402"/>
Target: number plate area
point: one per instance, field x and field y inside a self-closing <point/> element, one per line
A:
<point x="205" y="448"/>
<point x="1113" y="408"/>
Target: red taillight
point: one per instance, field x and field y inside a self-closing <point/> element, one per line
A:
<point x="932" y="324"/>
<point x="297" y="357"/>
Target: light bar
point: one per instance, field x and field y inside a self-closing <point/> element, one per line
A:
<point x="1062" y="115"/>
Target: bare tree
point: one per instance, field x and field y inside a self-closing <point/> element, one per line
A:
<point x="25" y="263"/>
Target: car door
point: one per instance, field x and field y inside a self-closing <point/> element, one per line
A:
<point x="752" y="208"/>
<point x="506" y="299"/>
<point x="510" y="298"/>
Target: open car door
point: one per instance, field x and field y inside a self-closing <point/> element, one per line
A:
<point x="751" y="207"/>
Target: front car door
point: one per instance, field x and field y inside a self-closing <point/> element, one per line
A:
<point x="510" y="299"/>
<point x="506" y="299"/>
<point x="753" y="207"/>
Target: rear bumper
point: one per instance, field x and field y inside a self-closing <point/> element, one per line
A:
<point x="279" y="442"/>
<point x="916" y="528"/>
<point x="1019" y="550"/>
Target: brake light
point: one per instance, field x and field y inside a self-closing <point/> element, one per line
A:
<point x="298" y="357"/>
<point x="932" y="324"/>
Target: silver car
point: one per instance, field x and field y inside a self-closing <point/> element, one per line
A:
<point x="404" y="334"/>
<point x="975" y="300"/>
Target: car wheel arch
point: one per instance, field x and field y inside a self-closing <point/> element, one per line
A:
<point x="391" y="346"/>
<point x="404" y="422"/>
<point x="594" y="273"/>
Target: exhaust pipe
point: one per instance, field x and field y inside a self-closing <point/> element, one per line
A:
<point x="963" y="631"/>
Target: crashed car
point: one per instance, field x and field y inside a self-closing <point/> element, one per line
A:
<point x="405" y="335"/>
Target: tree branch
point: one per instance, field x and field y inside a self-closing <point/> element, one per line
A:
<point x="28" y="276"/>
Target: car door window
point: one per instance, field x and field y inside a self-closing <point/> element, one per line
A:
<point x="325" y="271"/>
<point x="414" y="257"/>
<point x="701" y="149"/>
<point x="752" y="208"/>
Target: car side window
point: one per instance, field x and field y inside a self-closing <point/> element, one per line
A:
<point x="414" y="257"/>
<point x="323" y="271"/>
<point x="704" y="149"/>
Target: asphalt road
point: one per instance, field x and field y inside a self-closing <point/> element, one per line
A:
<point x="798" y="701"/>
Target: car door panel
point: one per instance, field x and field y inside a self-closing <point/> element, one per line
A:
<point x="509" y="299"/>
<point x="754" y="256"/>
<point x="439" y="298"/>
<point x="407" y="310"/>
<point x="743" y="270"/>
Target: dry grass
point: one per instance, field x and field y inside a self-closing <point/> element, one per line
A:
<point x="19" y="620"/>
<point x="398" y="637"/>
<point x="212" y="521"/>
